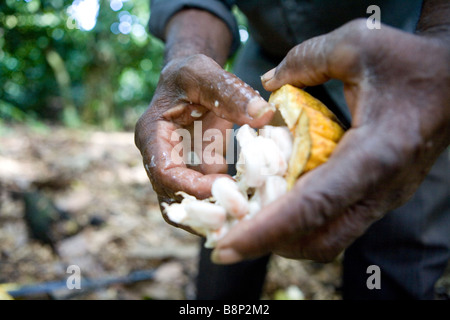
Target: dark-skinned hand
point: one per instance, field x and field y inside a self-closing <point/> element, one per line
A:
<point x="193" y="88"/>
<point x="397" y="89"/>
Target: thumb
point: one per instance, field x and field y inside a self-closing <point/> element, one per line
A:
<point x="334" y="55"/>
<point x="328" y="207"/>
<point x="206" y="85"/>
<point x="304" y="65"/>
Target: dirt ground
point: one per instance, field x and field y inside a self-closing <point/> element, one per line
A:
<point x="81" y="197"/>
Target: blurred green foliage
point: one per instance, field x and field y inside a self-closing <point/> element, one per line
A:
<point x="53" y="70"/>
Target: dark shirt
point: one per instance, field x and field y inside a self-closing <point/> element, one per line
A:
<point x="279" y="25"/>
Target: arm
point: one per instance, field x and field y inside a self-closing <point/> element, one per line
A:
<point x="193" y="31"/>
<point x="396" y="85"/>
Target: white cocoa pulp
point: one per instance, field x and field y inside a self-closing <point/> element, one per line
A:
<point x="261" y="167"/>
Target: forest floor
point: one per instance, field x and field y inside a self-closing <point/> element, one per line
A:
<point x="89" y="202"/>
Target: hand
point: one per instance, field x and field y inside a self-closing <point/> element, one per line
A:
<point x="396" y="86"/>
<point x="190" y="89"/>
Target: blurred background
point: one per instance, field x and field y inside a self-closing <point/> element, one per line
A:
<point x="77" y="61"/>
<point x="75" y="75"/>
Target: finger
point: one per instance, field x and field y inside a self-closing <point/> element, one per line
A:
<point x="315" y="61"/>
<point x="320" y="196"/>
<point x="206" y="83"/>
<point x="210" y="144"/>
<point x="304" y="65"/>
<point x="166" y="164"/>
<point x="254" y="237"/>
<point x="328" y="241"/>
<point x="188" y="180"/>
<point x="163" y="200"/>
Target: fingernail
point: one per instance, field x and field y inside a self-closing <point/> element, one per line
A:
<point x="268" y="75"/>
<point x="257" y="107"/>
<point x="225" y="256"/>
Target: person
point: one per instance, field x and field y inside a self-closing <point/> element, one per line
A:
<point x="383" y="198"/>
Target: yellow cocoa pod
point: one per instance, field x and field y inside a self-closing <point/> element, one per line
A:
<point x="315" y="129"/>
